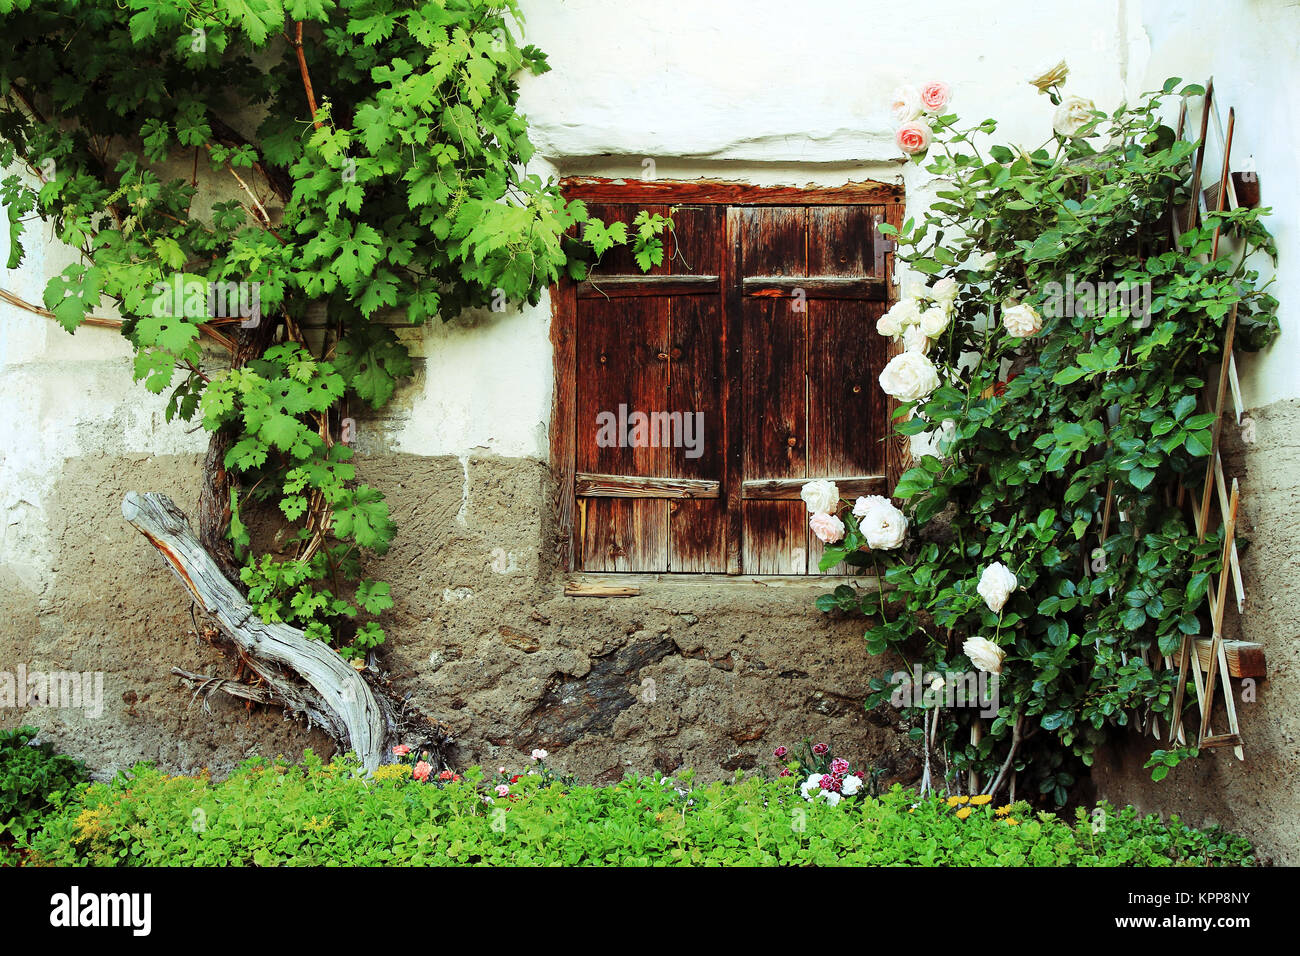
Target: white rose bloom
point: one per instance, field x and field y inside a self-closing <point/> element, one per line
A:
<point x="1072" y="115"/>
<point x="944" y="291"/>
<point x="915" y="339"/>
<point x="808" y="786"/>
<point x="909" y="377"/>
<point x="831" y="797"/>
<point x="996" y="584"/>
<point x="1021" y="320"/>
<point x="820" y="495"/>
<point x="850" y="785"/>
<point x="1053" y="75"/>
<point x="905" y="104"/>
<point x="936" y="441"/>
<point x="901" y="314"/>
<point x="884" y="526"/>
<point x="866" y="502"/>
<point x="934" y="320"/>
<point x="984" y="654"/>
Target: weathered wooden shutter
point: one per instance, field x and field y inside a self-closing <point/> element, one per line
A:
<point x="652" y="344"/>
<point x="762" y="317"/>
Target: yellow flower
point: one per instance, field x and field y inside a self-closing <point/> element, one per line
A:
<point x="1012" y="821"/>
<point x="1004" y="810"/>
<point x="957" y="801"/>
<point x="315" y="826"/>
<point x="981" y="800"/>
<point x="392" y="771"/>
<point x="963" y="813"/>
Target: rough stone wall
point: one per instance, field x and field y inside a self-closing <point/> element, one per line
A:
<point x="1256" y="797"/>
<point x="708" y="676"/>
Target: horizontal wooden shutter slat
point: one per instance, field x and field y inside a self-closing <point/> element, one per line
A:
<point x="634" y="486"/>
<point x="620" y="286"/>
<point x="864" y="288"/>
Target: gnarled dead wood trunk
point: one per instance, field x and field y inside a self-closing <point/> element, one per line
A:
<point x="335" y="694"/>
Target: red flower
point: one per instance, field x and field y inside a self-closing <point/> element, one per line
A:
<point x="779" y="753"/>
<point x="821" y="749"/>
<point x="839" y="766"/>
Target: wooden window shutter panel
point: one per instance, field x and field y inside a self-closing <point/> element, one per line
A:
<point x="773" y="242"/>
<point x="653" y="344"/>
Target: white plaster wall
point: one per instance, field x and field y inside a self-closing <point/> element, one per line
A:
<point x="765" y="91"/>
<point x="1252" y="49"/>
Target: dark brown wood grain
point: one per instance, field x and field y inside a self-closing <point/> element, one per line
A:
<point x="733" y="338"/>
<point x="787" y="391"/>
<point x="563" y="427"/>
<point x="773" y="242"/>
<point x="695" y="388"/>
<point x="622" y="363"/>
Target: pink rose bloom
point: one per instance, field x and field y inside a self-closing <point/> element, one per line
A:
<point x="935" y="96"/>
<point x="503" y="790"/>
<point x="401" y="750"/>
<point x="828" y="528"/>
<point x="913" y="137"/>
<point x="421" y="771"/>
<point x="839" y="766"/>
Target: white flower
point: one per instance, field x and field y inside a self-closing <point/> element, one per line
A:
<point x="996" y="584"/>
<point x="984" y="654"/>
<point x="937" y="684"/>
<point x="884" y="526"/>
<point x="1053" y="75"/>
<point x="915" y="339"/>
<point x="850" y="785"/>
<point x="905" y="104"/>
<point x="866" y="502"/>
<point x="934" y="442"/>
<point x="1072" y="115"/>
<point x="934" y="320"/>
<point x="539" y="754"/>
<point x="901" y="314"/>
<point x="808" y="786"/>
<point x="944" y="291"/>
<point x="831" y="797"/>
<point x="1021" y="320"/>
<point x="820" y="495"/>
<point x="909" y="377"/>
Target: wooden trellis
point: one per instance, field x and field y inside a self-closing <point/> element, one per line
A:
<point x="1213" y="655"/>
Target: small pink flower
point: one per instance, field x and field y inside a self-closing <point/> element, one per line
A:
<point x="828" y="528"/>
<point x="779" y="752"/>
<point x="421" y="771"/>
<point x="913" y="137"/>
<point x="785" y="772"/>
<point x="839" y="766"/>
<point x="401" y="750"/>
<point x="935" y="96"/>
<point x="503" y="790"/>
<point x="830" y="782"/>
<point x="821" y="749"/>
<point x="539" y="755"/>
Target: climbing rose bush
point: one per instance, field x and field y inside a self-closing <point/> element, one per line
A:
<point x="1030" y="408"/>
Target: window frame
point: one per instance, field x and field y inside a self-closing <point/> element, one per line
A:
<point x="732" y="196"/>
